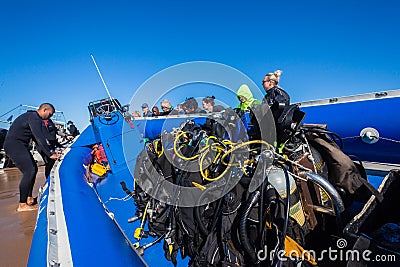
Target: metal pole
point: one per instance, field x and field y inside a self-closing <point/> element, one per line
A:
<point x="101" y="77"/>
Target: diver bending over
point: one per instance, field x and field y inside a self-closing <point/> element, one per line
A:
<point x="26" y="127"/>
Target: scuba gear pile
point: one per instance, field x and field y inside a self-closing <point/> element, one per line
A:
<point x="247" y="196"/>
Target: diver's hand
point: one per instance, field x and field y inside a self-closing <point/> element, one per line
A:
<point x="56" y="155"/>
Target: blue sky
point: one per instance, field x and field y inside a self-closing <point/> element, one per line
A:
<point x="325" y="48"/>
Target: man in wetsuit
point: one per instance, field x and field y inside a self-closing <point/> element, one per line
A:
<point x="24" y="128"/>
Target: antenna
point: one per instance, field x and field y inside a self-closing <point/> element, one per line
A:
<point x="113" y="102"/>
<point x="101" y="77"/>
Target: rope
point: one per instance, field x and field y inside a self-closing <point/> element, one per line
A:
<point x="125" y="198"/>
<point x="381" y="138"/>
<point x="390" y="140"/>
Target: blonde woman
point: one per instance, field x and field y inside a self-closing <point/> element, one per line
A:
<point x="166" y="107"/>
<point x="276" y="97"/>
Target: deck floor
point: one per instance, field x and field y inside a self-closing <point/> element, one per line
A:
<point x="16" y="228"/>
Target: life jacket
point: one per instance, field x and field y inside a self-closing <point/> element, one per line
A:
<point x="100" y="155"/>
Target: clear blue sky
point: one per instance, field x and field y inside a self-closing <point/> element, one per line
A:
<point x="325" y="48"/>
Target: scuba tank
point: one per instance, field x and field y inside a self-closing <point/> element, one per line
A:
<point x="276" y="177"/>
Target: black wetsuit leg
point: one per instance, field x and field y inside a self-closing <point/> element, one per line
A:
<point x="24" y="161"/>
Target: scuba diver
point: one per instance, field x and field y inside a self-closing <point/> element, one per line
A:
<point x="246" y="98"/>
<point x="155" y="111"/>
<point x="190" y="106"/>
<point x="49" y="129"/>
<point x="166" y="107"/>
<point x="72" y="129"/>
<point x="3" y="133"/>
<point x="24" y="128"/>
<point x="276" y="97"/>
<point x="209" y="104"/>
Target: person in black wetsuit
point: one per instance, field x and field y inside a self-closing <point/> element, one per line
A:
<point x="3" y="133"/>
<point x="50" y="131"/>
<point x="276" y="97"/>
<point x="190" y="106"/>
<point x="209" y="104"/>
<point x="16" y="145"/>
<point x="72" y="129"/>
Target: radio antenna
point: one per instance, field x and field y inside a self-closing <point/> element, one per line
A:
<point x="101" y="77"/>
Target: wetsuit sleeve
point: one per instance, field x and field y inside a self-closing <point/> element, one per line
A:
<point x="52" y="131"/>
<point x="35" y="123"/>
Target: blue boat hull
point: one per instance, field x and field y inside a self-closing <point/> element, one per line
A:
<point x="85" y="223"/>
<point x="349" y="118"/>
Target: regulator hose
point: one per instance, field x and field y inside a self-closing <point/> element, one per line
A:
<point x="200" y="223"/>
<point x="253" y="198"/>
<point x="126" y="190"/>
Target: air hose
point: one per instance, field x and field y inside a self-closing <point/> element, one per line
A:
<point x="254" y="197"/>
<point x="243" y="227"/>
<point x="126" y="190"/>
<point x="200" y="223"/>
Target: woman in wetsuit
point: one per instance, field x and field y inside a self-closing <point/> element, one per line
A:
<point x="276" y="97"/>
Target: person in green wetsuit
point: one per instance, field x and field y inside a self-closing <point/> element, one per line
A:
<point x="246" y="98"/>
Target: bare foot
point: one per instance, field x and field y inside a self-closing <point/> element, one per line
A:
<point x="26" y="207"/>
<point x="31" y="201"/>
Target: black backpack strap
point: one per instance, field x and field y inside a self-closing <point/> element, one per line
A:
<point x="363" y="174"/>
<point x="373" y="190"/>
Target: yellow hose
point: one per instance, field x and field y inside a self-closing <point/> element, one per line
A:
<point x="204" y="151"/>
<point x="176" y="150"/>
<point x="139" y="231"/>
<point x="159" y="153"/>
<point x="205" y="177"/>
<point x="242" y="145"/>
